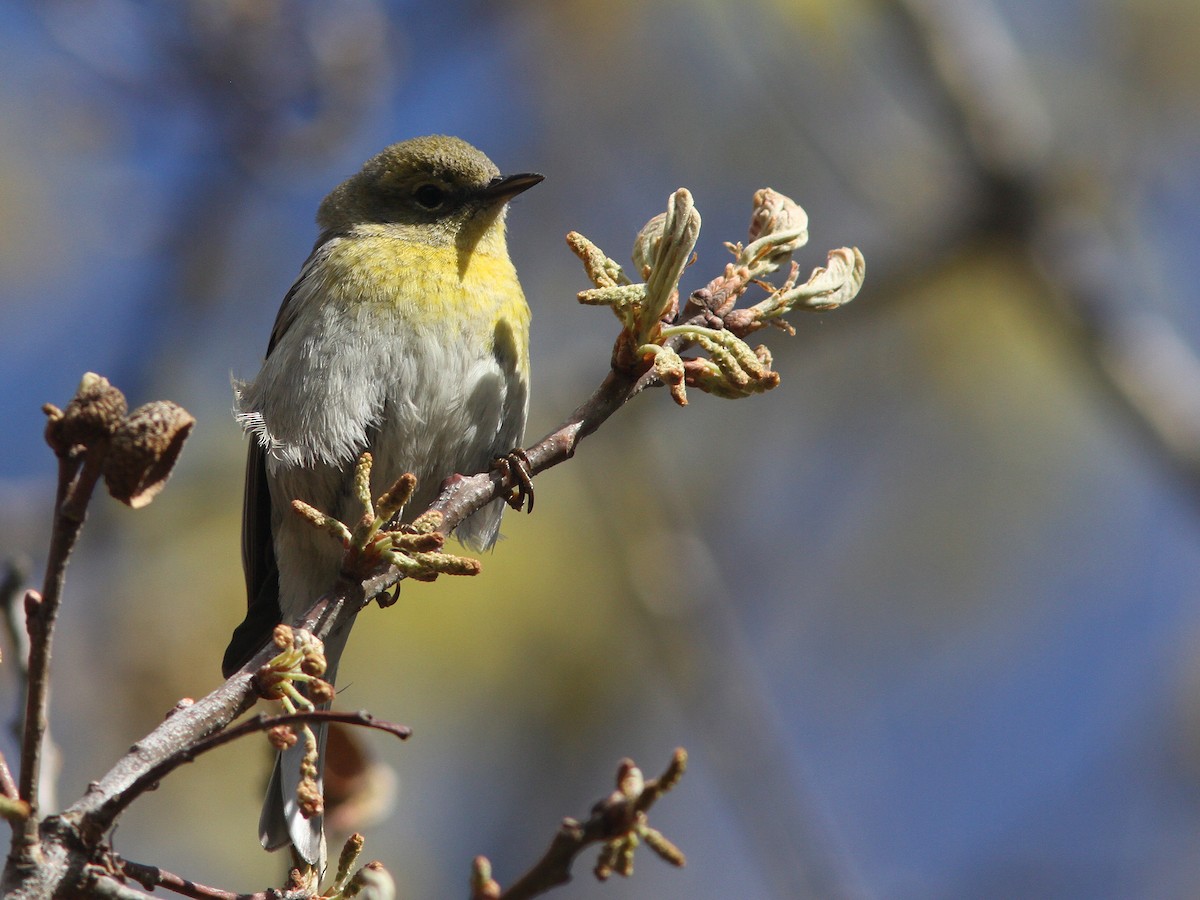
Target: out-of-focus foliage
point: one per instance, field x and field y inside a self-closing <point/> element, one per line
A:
<point x="925" y="616"/>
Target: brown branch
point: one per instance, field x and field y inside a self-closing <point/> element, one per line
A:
<point x="76" y="480"/>
<point x="106" y="813"/>
<point x="103" y="885"/>
<point x="151" y="877"/>
<point x="80" y="438"/>
<point x="612" y="818"/>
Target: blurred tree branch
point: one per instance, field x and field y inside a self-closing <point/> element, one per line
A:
<point x="1138" y="359"/>
<point x="277" y="86"/>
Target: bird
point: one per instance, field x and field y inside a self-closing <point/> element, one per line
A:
<point x="406" y="334"/>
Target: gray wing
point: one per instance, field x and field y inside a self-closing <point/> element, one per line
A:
<point x="480" y="530"/>
<point x="258" y="546"/>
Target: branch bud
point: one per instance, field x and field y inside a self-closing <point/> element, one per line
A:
<point x="645" y="245"/>
<point x="283" y="636"/>
<point x="371" y="882"/>
<point x="774" y="212"/>
<point x="630" y="781"/>
<point x="313" y="662"/>
<point x="144" y="449"/>
<point x="281" y="737"/>
<point x="309" y="799"/>
<point x="778" y="227"/>
<point x="91" y="417"/>
<point x="483" y="885"/>
<point x="320" y="691"/>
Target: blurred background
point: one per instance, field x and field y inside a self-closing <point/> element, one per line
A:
<point x="927" y="616"/>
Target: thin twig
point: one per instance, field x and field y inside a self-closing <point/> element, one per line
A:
<point x="107" y="813"/>
<point x="151" y="877"/>
<point x="76" y="480"/>
<point x="610" y="818"/>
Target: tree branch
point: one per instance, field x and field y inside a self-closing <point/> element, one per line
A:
<point x="151" y="877"/>
<point x="106" y="813"/>
<point x="618" y="821"/>
<point x="105" y="886"/>
<point x="76" y="480"/>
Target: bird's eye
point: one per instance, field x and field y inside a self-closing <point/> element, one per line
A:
<point x="430" y="195"/>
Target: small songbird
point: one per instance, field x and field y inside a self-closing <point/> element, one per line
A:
<point x="406" y="334"/>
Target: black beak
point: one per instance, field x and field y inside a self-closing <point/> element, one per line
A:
<point x="505" y="187"/>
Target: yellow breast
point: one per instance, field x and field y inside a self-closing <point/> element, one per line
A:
<point x="443" y="291"/>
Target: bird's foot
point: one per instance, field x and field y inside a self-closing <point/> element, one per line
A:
<point x="515" y="467"/>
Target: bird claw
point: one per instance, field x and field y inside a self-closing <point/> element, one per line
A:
<point x="515" y="467"/>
